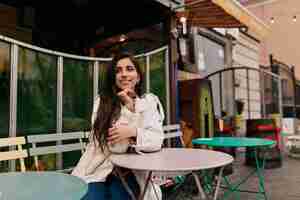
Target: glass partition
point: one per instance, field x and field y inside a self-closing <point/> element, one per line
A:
<point x="36" y="95"/>
<point x="4" y="88"/>
<point x="142" y="63"/>
<point x="77" y="94"/>
<point x="158" y="77"/>
<point x="103" y="66"/>
<point x="77" y="101"/>
<point x="38" y="106"/>
<point x="5" y="94"/>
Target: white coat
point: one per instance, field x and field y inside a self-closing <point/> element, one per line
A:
<point x="95" y="165"/>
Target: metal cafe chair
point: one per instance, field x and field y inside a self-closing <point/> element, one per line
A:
<point x="65" y="142"/>
<point x="18" y="154"/>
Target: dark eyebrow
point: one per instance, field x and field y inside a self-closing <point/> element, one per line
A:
<point x="125" y="66"/>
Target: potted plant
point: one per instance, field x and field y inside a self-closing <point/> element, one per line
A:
<point x="239" y="106"/>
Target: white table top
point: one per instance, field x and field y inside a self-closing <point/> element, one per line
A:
<point x="41" y="185"/>
<point x="173" y="159"/>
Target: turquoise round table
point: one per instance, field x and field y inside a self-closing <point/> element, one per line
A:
<point x="41" y="186"/>
<point x="234" y="142"/>
<point x="254" y="143"/>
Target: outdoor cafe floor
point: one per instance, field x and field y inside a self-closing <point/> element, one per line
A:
<point x="281" y="183"/>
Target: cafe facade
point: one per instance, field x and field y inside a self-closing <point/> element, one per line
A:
<point x="50" y="77"/>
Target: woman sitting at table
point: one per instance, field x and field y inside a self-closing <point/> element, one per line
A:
<point x="122" y="116"/>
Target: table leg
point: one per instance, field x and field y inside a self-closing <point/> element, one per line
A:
<point x="217" y="186"/>
<point x="125" y="183"/>
<point x="198" y="183"/>
<point x="153" y="187"/>
<point x="218" y="183"/>
<point x="232" y="190"/>
<point x="260" y="173"/>
<point x="143" y="192"/>
<point x="259" y="168"/>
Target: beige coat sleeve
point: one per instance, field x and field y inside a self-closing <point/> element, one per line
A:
<point x="150" y="133"/>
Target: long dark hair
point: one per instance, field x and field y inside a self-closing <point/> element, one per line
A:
<point x="110" y="105"/>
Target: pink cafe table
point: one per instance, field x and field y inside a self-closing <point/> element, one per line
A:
<point x="173" y="161"/>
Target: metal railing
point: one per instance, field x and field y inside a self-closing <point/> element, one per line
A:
<point x="15" y="68"/>
<point x="247" y="81"/>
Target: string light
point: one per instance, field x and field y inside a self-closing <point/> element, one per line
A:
<point x="294" y="18"/>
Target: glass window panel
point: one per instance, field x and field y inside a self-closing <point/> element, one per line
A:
<point x="158" y="76"/>
<point x="77" y="101"/>
<point x="4" y="88"/>
<point x="37" y="91"/>
<point x="77" y="94"/>
<point x="37" y="98"/>
<point x="142" y="63"/>
<point x="102" y="75"/>
<point x="70" y="159"/>
<point x="298" y="94"/>
<point x="210" y="56"/>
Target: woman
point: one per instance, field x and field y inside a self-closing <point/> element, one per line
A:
<point x="122" y="115"/>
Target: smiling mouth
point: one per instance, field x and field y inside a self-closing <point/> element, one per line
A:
<point x="125" y="82"/>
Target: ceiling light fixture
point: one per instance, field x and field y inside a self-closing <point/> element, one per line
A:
<point x="184" y="26"/>
<point x="123" y="38"/>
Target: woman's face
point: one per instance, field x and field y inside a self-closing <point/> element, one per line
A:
<point x="126" y="74"/>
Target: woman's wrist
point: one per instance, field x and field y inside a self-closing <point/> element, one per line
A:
<point x="130" y="106"/>
<point x="134" y="132"/>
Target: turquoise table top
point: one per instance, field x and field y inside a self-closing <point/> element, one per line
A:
<point x="233" y="142"/>
<point x="41" y="186"/>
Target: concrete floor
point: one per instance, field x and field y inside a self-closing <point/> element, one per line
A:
<point x="281" y="183"/>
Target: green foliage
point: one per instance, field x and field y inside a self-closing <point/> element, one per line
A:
<point x="4" y="88"/>
<point x="142" y="62"/>
<point x="157" y="77"/>
<point x="36" y="92"/>
<point x="78" y="94"/>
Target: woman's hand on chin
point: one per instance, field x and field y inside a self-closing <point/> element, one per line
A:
<point x="127" y="97"/>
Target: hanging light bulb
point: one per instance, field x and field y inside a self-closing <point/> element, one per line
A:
<point x="184" y="26"/>
<point x="294" y="18"/>
<point x="123" y="38"/>
<point x="272" y="20"/>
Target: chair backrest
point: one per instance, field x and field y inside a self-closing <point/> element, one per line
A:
<point x="172" y="131"/>
<point x="18" y="154"/>
<point x="75" y="143"/>
<point x="87" y="135"/>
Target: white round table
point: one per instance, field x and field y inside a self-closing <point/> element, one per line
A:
<point x="41" y="185"/>
<point x="174" y="161"/>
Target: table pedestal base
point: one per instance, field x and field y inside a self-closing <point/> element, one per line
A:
<point x="149" y="182"/>
<point x="259" y="168"/>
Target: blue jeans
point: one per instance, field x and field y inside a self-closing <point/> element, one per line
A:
<point x="112" y="189"/>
